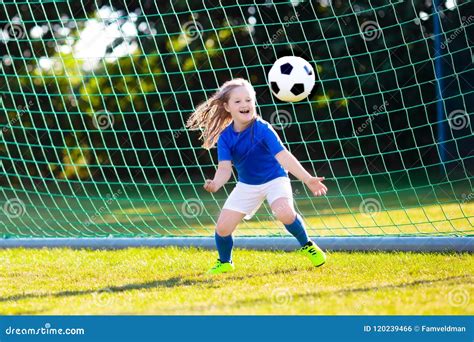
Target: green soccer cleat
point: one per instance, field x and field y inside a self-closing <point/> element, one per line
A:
<point x="314" y="253"/>
<point x="221" y="267"/>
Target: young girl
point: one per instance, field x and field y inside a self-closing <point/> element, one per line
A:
<point x="250" y="143"/>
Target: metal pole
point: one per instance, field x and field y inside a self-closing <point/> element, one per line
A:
<point x="439" y="83"/>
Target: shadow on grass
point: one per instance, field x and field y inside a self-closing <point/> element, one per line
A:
<point x="347" y="291"/>
<point x="171" y="282"/>
<point x="165" y="283"/>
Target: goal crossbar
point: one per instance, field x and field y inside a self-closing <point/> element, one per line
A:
<point x="366" y="243"/>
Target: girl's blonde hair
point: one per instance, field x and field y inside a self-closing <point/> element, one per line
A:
<point x="211" y="116"/>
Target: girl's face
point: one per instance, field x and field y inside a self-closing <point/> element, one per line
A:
<point x="241" y="105"/>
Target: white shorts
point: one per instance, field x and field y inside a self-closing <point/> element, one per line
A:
<point x="246" y="198"/>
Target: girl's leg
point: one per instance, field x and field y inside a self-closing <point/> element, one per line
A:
<point x="226" y="224"/>
<point x="284" y="210"/>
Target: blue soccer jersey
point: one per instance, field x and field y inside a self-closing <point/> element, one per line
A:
<point x="252" y="151"/>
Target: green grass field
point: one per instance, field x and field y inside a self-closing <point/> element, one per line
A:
<point x="172" y="281"/>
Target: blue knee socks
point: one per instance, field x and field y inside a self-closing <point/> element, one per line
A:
<point x="225" y="243"/>
<point x="224" y="247"/>
<point x="298" y="231"/>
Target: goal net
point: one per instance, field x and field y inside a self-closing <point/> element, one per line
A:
<point x="95" y="96"/>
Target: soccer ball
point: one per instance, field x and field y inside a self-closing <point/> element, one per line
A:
<point x="291" y="78"/>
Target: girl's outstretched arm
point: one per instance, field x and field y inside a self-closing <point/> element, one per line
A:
<point x="222" y="176"/>
<point x="288" y="161"/>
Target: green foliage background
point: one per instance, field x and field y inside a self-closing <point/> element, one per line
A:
<point x="49" y="113"/>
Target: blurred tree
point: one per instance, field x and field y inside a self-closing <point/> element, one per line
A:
<point x="144" y="65"/>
